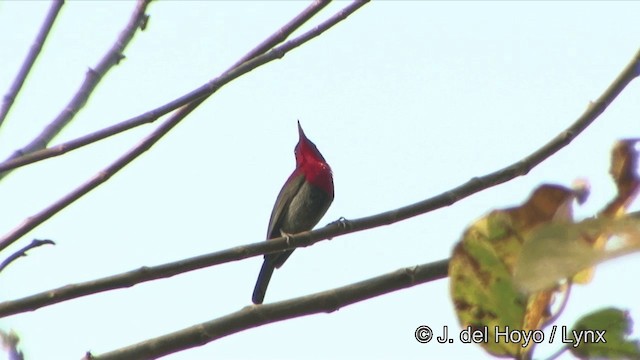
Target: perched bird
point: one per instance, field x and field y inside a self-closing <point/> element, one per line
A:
<point x="301" y="203"/>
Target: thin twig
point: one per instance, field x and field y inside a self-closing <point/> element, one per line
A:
<point x="92" y="78"/>
<point x="102" y="176"/>
<point x="257" y="315"/>
<point x="284" y="32"/>
<point x="34" y="51"/>
<point x="23" y="252"/>
<point x="154" y="114"/>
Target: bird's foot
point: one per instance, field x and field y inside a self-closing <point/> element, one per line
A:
<point x="342" y="223"/>
<point x="286" y="236"/>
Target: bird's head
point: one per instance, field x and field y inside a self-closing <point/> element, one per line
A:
<point x="306" y="151"/>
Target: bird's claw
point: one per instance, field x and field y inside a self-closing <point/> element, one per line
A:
<point x="342" y="222"/>
<point x="286" y="236"/>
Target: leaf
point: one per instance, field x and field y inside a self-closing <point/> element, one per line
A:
<point x="9" y="343"/>
<point x="557" y="251"/>
<point x="624" y="170"/>
<point x="602" y="334"/>
<point x="624" y="167"/>
<point x="482" y="264"/>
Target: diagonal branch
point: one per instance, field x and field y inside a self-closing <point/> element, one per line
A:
<point x="93" y="77"/>
<point x="63" y="148"/>
<point x="293" y="25"/>
<point x="256" y="315"/>
<point x="34" y="51"/>
<point x="154" y="114"/>
<point x="102" y="176"/>
<point x="148" y="273"/>
<point x="23" y="252"/>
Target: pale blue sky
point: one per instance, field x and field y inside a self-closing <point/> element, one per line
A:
<point x="404" y="99"/>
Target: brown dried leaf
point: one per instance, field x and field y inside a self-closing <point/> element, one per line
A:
<point x="624" y="170"/>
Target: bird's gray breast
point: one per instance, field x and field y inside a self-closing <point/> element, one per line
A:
<point x="306" y="209"/>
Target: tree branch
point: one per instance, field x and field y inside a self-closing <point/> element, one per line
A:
<point x="256" y="315"/>
<point x="23" y="252"/>
<point x="154" y="114"/>
<point x="102" y="176"/>
<point x="148" y="273"/>
<point x="93" y="77"/>
<point x="293" y="25"/>
<point x="34" y="51"/>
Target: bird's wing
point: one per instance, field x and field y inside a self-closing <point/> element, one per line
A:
<point x="287" y="193"/>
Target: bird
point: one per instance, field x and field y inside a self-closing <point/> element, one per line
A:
<point x="303" y="200"/>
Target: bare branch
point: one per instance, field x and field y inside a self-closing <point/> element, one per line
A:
<point x="519" y="168"/>
<point x="148" y="273"/>
<point x="256" y="315"/>
<point x="284" y="32"/>
<point x="63" y="148"/>
<point x="34" y="51"/>
<point x="102" y="176"/>
<point x="23" y="252"/>
<point x="154" y="114"/>
<point x="93" y="77"/>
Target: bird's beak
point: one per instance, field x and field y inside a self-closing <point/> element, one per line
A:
<point x="301" y="132"/>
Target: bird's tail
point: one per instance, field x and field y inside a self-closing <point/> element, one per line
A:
<point x="263" y="281"/>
